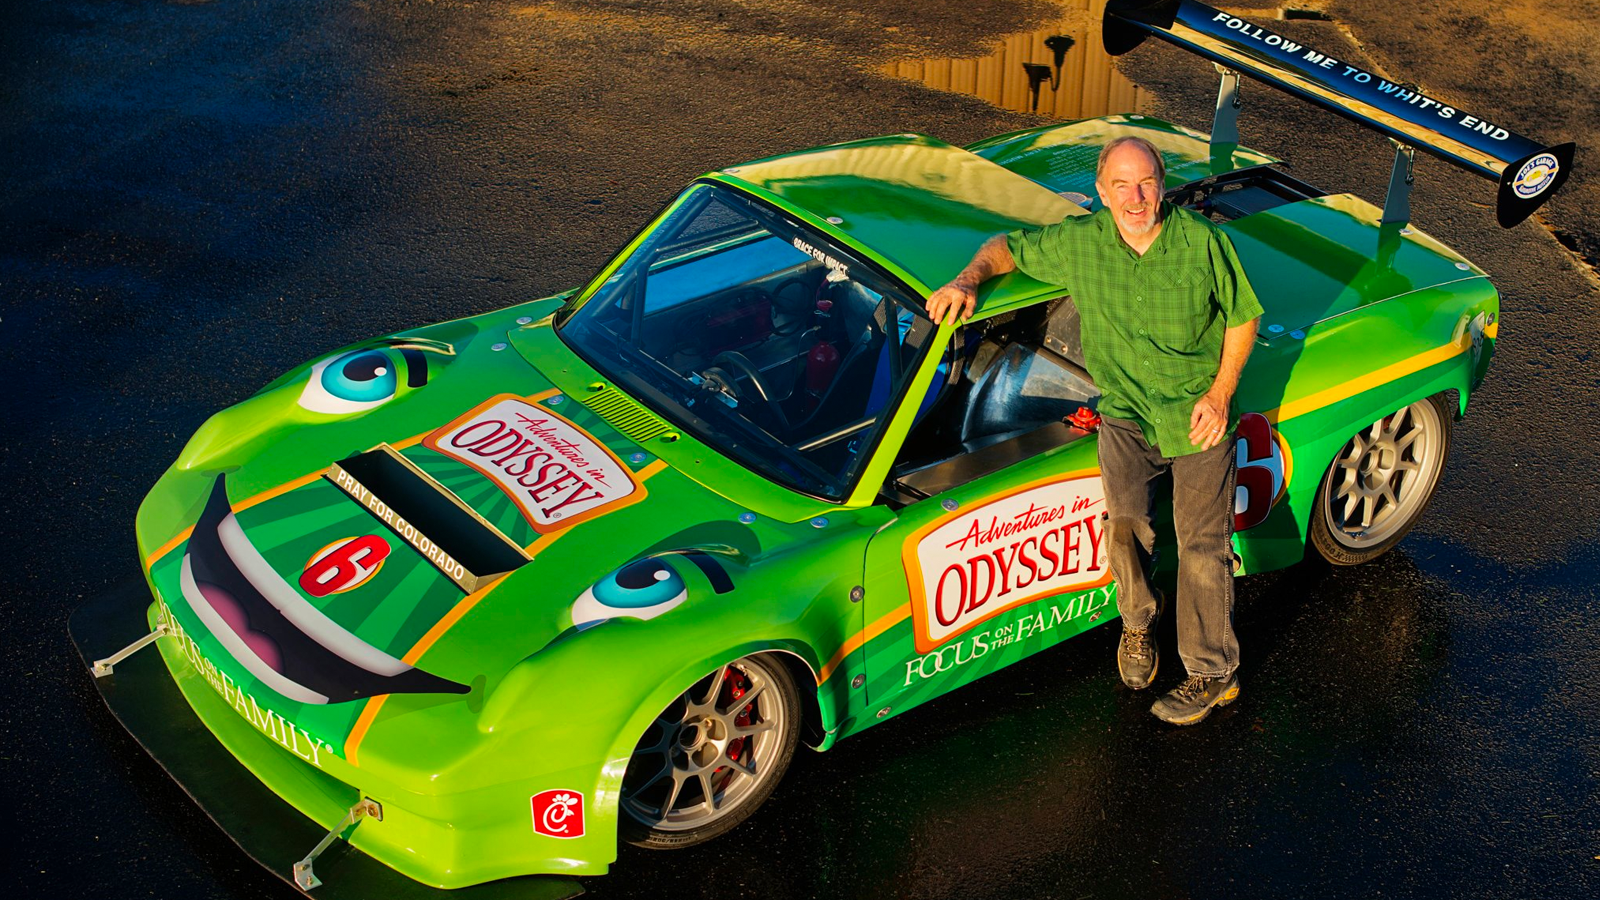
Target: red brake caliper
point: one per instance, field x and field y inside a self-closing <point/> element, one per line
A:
<point x="734" y="686"/>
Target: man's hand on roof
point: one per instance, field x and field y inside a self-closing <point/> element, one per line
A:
<point x="956" y="299"/>
<point x="960" y="297"/>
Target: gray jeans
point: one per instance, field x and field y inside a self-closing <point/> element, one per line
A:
<point x="1202" y="514"/>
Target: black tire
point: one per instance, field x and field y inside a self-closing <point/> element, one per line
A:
<point x="710" y="745"/>
<point x="1381" y="483"/>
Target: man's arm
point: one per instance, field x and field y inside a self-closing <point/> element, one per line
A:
<point x="1209" y="422"/>
<point x="960" y="296"/>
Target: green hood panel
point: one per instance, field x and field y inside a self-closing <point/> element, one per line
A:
<point x="1316" y="259"/>
<point x="406" y="609"/>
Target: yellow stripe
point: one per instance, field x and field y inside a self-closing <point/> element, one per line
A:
<point x="412" y="441"/>
<point x="543" y="541"/>
<point x="1332" y="395"/>
<point x="166" y="548"/>
<point x="368" y="714"/>
<point x="861" y="637"/>
<point x="280" y="490"/>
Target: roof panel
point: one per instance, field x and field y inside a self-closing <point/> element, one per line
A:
<point x="920" y="204"/>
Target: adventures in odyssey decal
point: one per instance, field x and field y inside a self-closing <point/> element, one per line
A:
<point x="1041" y="539"/>
<point x="557" y="474"/>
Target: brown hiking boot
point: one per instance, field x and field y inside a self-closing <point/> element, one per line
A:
<point x="1193" y="700"/>
<point x="1137" y="656"/>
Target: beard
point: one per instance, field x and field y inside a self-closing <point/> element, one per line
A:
<point x="1138" y="229"/>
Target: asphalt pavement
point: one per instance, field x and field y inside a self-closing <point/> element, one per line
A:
<point x="195" y="196"/>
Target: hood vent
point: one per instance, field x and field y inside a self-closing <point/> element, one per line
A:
<point x="458" y="541"/>
<point x="622" y="413"/>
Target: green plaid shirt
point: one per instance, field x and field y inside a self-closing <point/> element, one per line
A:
<point x="1152" y="324"/>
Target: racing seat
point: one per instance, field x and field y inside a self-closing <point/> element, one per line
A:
<point x="868" y="362"/>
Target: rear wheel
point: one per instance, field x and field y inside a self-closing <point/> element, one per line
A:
<point x="1381" y="482"/>
<point x="712" y="756"/>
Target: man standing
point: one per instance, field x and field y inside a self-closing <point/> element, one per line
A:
<point x="1168" y="322"/>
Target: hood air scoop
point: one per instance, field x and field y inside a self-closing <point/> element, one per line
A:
<point x="459" y="542"/>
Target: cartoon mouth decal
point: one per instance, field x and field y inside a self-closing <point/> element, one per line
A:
<point x="279" y="637"/>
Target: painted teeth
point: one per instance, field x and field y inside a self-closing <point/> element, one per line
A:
<point x="236" y="645"/>
<point x="333" y="637"/>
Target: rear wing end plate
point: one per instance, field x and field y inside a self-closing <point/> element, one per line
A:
<point x="1527" y="172"/>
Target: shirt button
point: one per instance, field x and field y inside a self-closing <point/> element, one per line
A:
<point x="1138" y="299"/>
<point x="1141" y="331"/>
<point x="1158" y="420"/>
<point x="1147" y="363"/>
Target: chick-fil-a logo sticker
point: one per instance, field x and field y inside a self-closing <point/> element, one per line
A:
<point x="344" y="565"/>
<point x="558" y="813"/>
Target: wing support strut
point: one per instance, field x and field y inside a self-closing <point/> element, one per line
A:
<point x="1225" y="123"/>
<point x="103" y="667"/>
<point x="1397" y="203"/>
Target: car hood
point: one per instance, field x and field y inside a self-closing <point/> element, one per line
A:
<point x="355" y="579"/>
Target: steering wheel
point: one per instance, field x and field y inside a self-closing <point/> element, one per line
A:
<point x="732" y="359"/>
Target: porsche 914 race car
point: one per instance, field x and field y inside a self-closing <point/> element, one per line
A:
<point x="485" y="597"/>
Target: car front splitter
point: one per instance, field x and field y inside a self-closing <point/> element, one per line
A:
<point x="143" y="698"/>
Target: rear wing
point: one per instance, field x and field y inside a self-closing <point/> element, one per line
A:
<point x="1528" y="172"/>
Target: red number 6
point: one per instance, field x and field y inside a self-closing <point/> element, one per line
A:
<point x="1260" y="471"/>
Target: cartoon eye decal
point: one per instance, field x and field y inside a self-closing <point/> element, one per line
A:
<point x="642" y="589"/>
<point x="361" y="380"/>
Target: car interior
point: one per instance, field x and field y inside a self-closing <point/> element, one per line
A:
<point x="1019" y="378"/>
<point x="803" y="343"/>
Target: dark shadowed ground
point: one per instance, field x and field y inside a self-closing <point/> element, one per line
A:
<point x="195" y="196"/>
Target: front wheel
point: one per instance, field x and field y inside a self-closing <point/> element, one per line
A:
<point x="712" y="756"/>
<point x="1381" y="482"/>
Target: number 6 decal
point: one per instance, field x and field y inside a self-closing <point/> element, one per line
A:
<point x="1261" y="471"/>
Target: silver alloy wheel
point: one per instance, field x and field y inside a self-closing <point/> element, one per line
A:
<point x="1385" y="475"/>
<point x="715" y="747"/>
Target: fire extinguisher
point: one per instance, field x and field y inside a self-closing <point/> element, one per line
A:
<point x="822" y="362"/>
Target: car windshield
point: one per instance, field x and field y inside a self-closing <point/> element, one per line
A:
<point x="758" y="335"/>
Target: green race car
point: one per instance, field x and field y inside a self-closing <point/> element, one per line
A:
<point x="486" y="596"/>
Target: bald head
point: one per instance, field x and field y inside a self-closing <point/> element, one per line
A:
<point x="1132" y="140"/>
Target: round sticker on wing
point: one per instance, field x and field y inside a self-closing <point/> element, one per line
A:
<point x="1536" y="175"/>
<point x="642" y="589"/>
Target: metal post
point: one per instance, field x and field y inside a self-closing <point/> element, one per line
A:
<point x="1397" y="203"/>
<point x="1225" y="124"/>
<point x="102" y="667"/>
<point x="304" y="878"/>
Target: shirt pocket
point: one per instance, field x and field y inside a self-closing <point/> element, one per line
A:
<point x="1179" y="313"/>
